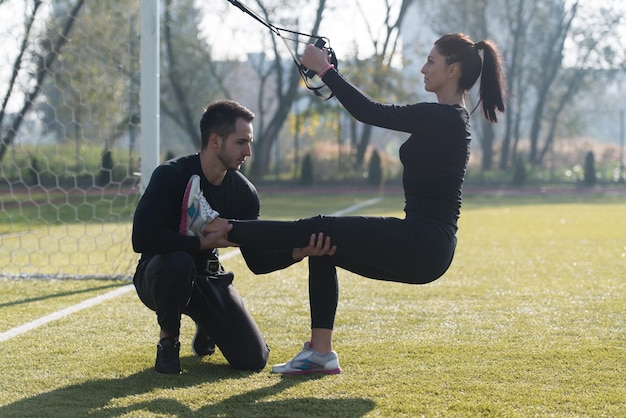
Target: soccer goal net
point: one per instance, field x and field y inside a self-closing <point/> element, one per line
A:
<point x="69" y="137"/>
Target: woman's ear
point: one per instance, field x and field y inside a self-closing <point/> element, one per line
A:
<point x="454" y="70"/>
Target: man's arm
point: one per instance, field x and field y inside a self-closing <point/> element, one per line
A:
<point x="157" y="216"/>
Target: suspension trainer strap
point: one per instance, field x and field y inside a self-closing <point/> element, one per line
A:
<point x="320" y="42"/>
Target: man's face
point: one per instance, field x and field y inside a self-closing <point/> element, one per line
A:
<point x="237" y="146"/>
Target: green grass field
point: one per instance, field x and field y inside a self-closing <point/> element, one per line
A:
<point x="530" y="320"/>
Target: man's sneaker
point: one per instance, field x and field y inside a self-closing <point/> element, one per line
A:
<point x="310" y="361"/>
<point x="196" y="212"/>
<point x="202" y="345"/>
<point x="167" y="358"/>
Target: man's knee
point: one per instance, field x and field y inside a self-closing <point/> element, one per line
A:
<point x="170" y="277"/>
<point x="172" y="270"/>
<point x="255" y="361"/>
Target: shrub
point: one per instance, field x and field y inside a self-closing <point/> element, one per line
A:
<point x="519" y="172"/>
<point x="33" y="171"/>
<point x="589" y="178"/>
<point x="306" y="176"/>
<point x="106" y="168"/>
<point x="169" y="155"/>
<point x="375" y="169"/>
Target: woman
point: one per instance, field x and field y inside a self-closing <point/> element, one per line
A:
<point x="419" y="248"/>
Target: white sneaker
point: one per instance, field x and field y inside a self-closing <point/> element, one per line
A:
<point x="310" y="361"/>
<point x="196" y="212"/>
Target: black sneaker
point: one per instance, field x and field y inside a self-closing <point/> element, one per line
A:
<point x="167" y="358"/>
<point x="202" y="345"/>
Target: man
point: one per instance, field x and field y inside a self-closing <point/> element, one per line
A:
<point x="179" y="271"/>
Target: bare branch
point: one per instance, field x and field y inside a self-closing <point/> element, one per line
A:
<point x="43" y="65"/>
<point x="187" y="123"/>
<point x="18" y="61"/>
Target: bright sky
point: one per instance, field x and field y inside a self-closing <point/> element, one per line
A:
<point x="11" y="33"/>
<point x="236" y="33"/>
<point x="232" y="33"/>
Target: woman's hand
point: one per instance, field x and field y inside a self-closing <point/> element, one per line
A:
<point x="315" y="59"/>
<point x="318" y="246"/>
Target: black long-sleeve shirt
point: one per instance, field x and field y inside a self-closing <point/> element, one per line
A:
<point x="157" y="217"/>
<point x="434" y="156"/>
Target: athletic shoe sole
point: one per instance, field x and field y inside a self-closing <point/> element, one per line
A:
<point x="312" y="371"/>
<point x="192" y="185"/>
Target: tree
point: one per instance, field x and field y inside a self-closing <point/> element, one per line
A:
<point x="473" y="18"/>
<point x="93" y="93"/>
<point x="544" y="83"/>
<point x="549" y="61"/>
<point x="44" y="61"/>
<point x="519" y="14"/>
<point x="534" y="37"/>
<point x="377" y="75"/>
<point x="278" y="85"/>
<point x="590" y="32"/>
<point x="192" y="78"/>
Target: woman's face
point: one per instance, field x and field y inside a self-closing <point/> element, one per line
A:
<point x="435" y="71"/>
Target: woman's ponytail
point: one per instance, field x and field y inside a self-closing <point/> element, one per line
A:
<point x="491" y="91"/>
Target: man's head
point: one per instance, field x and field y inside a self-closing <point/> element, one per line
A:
<point x="220" y="118"/>
<point x="226" y="129"/>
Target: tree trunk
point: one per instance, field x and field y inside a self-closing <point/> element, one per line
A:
<point x="284" y="96"/>
<point x="486" y="143"/>
<point x="43" y="66"/>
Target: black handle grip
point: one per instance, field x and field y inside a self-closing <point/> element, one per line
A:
<point x="310" y="73"/>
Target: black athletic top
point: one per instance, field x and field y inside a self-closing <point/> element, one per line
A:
<point x="157" y="217"/>
<point x="434" y="157"/>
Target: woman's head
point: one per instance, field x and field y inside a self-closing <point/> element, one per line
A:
<point x="459" y="48"/>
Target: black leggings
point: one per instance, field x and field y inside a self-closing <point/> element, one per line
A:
<point x="168" y="285"/>
<point x="413" y="251"/>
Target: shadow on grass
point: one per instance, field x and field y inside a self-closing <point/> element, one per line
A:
<point x="141" y="391"/>
<point x="62" y="294"/>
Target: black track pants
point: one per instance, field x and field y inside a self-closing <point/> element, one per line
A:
<point x="401" y="250"/>
<point x="168" y="285"/>
<point x="411" y="251"/>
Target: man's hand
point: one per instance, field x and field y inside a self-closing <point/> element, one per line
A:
<point x="216" y="225"/>
<point x="217" y="238"/>
<point x="318" y="246"/>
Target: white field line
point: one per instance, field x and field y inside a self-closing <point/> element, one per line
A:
<point x="21" y="329"/>
<point x="14" y="332"/>
<point x="357" y="206"/>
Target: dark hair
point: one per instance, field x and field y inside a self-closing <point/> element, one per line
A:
<point x="458" y="47"/>
<point x="219" y="117"/>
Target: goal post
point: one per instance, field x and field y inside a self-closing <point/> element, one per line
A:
<point x="149" y="92"/>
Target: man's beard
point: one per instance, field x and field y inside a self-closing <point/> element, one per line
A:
<point x="228" y="163"/>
